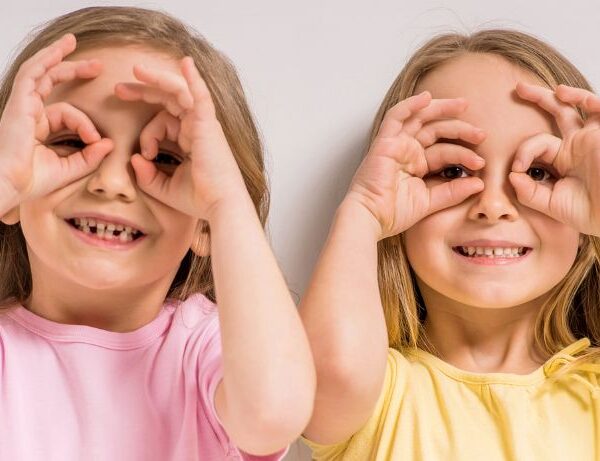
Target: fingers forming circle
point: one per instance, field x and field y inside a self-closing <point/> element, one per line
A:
<point x="163" y="126"/>
<point x="62" y="115"/>
<point x="543" y="146"/>
<point x="444" y="154"/>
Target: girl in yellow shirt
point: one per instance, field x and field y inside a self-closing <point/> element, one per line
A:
<point x="470" y="231"/>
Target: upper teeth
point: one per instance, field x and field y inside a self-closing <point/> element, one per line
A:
<point x="106" y="229"/>
<point x="510" y="252"/>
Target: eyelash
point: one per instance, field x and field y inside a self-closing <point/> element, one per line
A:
<point x="77" y="143"/>
<point x="548" y="175"/>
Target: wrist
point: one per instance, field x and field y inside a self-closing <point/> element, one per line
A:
<point x="234" y="203"/>
<point x="352" y="213"/>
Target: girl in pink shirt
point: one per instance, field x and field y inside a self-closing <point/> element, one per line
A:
<point x="132" y="196"/>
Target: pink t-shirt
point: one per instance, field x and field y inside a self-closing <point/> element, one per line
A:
<point x="74" y="392"/>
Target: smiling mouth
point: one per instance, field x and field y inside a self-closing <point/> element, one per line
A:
<point x="492" y="252"/>
<point x="105" y="231"/>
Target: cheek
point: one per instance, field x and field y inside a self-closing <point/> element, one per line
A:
<point x="425" y="242"/>
<point x="37" y="226"/>
<point x="179" y="230"/>
<point x="559" y="244"/>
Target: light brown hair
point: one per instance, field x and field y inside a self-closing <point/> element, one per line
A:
<point x="572" y="310"/>
<point x="98" y="27"/>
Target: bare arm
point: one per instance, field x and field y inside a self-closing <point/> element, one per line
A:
<point x="266" y="395"/>
<point x="265" y="398"/>
<point x="342" y="309"/>
<point x="344" y="321"/>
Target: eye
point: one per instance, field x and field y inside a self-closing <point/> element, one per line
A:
<point x="167" y="159"/>
<point x="72" y="142"/>
<point x="539" y="173"/>
<point x="453" y="172"/>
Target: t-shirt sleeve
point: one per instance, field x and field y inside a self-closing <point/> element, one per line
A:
<point x="210" y="374"/>
<point x="364" y="444"/>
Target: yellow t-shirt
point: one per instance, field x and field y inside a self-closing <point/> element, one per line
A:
<point x="429" y="410"/>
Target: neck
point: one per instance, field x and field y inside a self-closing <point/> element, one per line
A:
<point x="480" y="339"/>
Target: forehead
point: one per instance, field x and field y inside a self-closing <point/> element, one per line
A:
<point x="488" y="83"/>
<point x="96" y="96"/>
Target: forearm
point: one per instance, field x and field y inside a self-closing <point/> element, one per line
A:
<point x="344" y="320"/>
<point x="269" y="380"/>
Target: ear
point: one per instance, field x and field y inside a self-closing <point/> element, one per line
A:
<point x="201" y="243"/>
<point x="12" y="216"/>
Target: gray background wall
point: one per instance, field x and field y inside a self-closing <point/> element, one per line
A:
<point x="315" y="72"/>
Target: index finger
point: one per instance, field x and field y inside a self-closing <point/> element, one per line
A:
<point x="445" y="154"/>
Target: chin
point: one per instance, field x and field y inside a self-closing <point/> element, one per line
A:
<point x="101" y="280"/>
<point x="493" y="299"/>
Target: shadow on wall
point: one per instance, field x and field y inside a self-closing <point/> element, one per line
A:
<point x="298" y="452"/>
<point x="321" y="199"/>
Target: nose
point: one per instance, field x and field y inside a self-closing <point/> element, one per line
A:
<point x="114" y="179"/>
<point x="495" y="202"/>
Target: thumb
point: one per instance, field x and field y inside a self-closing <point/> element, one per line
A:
<point x="453" y="192"/>
<point x="531" y="193"/>
<point x="77" y="164"/>
<point x="149" y="178"/>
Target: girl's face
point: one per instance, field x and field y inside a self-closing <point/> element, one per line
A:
<point x="56" y="250"/>
<point x="492" y="218"/>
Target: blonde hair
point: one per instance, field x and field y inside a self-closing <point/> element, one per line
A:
<point x="572" y="308"/>
<point x="99" y="27"/>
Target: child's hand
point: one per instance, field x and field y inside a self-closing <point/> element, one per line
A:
<point x="208" y="174"/>
<point x="390" y="184"/>
<point x="28" y="168"/>
<point x="568" y="189"/>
